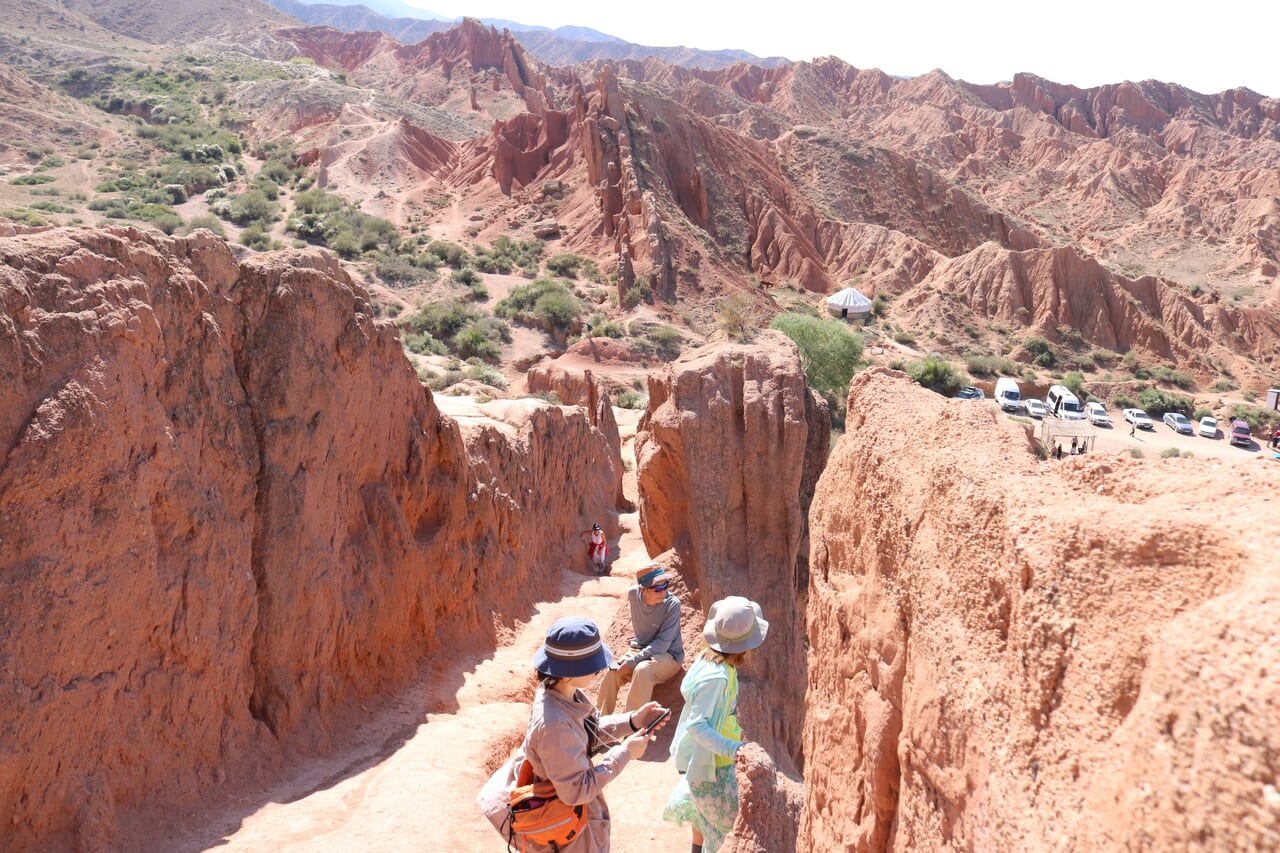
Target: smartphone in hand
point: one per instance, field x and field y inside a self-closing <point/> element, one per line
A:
<point x="656" y="720"/>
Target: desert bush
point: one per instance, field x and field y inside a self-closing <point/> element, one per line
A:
<point x="399" y="271"/>
<point x="1124" y="401"/>
<point x="1169" y="376"/>
<point x="544" y="303"/>
<point x="443" y="319"/>
<point x="255" y="238"/>
<point x="936" y="373"/>
<point x="31" y="180"/>
<point x="465" y="276"/>
<point x="1041" y="351"/>
<point x="168" y="222"/>
<point x="445" y="380"/>
<point x="599" y="325"/>
<point x="205" y="220"/>
<point x="472" y="342"/>
<point x="1074" y="381"/>
<point x="1260" y="420"/>
<point x="424" y="343"/>
<point x="1156" y="403"/>
<point x="506" y="254"/>
<point x="252" y="206"/>
<point x="667" y="342"/>
<point x="1223" y="386"/>
<point x="448" y="253"/>
<point x="488" y="374"/>
<point x="736" y="317"/>
<point x="630" y="400"/>
<point x="990" y="365"/>
<point x="829" y="352"/>
<point x="1136" y="452"/>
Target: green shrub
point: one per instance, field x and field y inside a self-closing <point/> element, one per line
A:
<point x="472" y="342"/>
<point x="1124" y="401"/>
<point x="168" y="222"/>
<point x="442" y="319"/>
<point x="445" y="380"/>
<point x="990" y="365"/>
<point x="542" y="302"/>
<point x="1041" y="351"/>
<point x="1156" y="403"/>
<point x="1174" y="453"/>
<point x="1074" y="381"/>
<point x="423" y="343"/>
<point x="600" y="326"/>
<point x="630" y="400"/>
<point x="829" y="352"/>
<point x="666" y="341"/>
<point x="487" y="374"/>
<point x="937" y="374"/>
<point x="558" y="310"/>
<point x="1136" y="452"/>
<point x="1260" y="420"/>
<point x="905" y="338"/>
<point x="252" y="206"/>
<point x="506" y="254"/>
<point x="31" y="180"/>
<point x="205" y="220"/>
<point x="255" y="238"/>
<point x="1169" y="376"/>
<point x="1223" y="386"/>
<point x="465" y="276"/>
<point x="449" y="253"/>
<point x="1201" y="412"/>
<point x="399" y="271"/>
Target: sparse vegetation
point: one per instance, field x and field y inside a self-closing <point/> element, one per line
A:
<point x="542" y="303"/>
<point x="506" y="254"/>
<point x="332" y="221"/>
<point x="1041" y="351"/>
<point x="936" y="373"/>
<point x="1156" y="403"/>
<point x="990" y="365"/>
<point x="736" y="317"/>
<point x="829" y="352"/>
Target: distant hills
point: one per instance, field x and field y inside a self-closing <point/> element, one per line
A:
<point x="566" y="45"/>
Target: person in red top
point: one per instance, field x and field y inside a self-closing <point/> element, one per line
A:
<point x="598" y="549"/>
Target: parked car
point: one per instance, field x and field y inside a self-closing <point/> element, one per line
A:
<point x="1097" y="414"/>
<point x="1177" y="421"/>
<point x="1240" y="434"/>
<point x="1035" y="408"/>
<point x="971" y="393"/>
<point x="1208" y="427"/>
<point x="1008" y="395"/>
<point x="1139" y="418"/>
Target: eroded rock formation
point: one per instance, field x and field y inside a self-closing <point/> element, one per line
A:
<point x="723" y="459"/>
<point x="229" y="513"/>
<point x="1007" y="654"/>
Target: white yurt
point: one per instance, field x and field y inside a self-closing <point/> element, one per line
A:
<point x="849" y="303"/>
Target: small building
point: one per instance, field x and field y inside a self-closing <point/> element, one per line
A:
<point x="849" y="303"/>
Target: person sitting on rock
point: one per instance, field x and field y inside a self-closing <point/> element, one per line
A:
<point x="657" y="651"/>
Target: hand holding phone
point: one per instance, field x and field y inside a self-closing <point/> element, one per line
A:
<point x="654" y="722"/>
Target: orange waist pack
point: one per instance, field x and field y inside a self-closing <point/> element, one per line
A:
<point x="537" y="815"/>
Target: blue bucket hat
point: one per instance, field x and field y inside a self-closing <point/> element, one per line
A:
<point x="573" y="647"/>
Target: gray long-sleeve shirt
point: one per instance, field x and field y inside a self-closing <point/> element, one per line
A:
<point x="657" y="627"/>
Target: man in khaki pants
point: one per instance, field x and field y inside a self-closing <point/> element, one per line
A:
<point x="657" y="651"/>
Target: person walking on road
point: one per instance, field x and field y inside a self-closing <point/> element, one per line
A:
<point x="657" y="650"/>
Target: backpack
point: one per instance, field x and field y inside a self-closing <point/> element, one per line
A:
<point x="537" y="815"/>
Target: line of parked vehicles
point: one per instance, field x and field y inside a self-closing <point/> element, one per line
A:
<point x="1062" y="403"/>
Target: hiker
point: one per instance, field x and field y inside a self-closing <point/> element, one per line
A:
<point x="708" y="736"/>
<point x="564" y="732"/>
<point x="597" y="549"/>
<point x="1075" y="448"/>
<point x="657" y="651"/>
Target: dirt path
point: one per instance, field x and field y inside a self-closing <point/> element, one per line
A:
<point x="409" y="783"/>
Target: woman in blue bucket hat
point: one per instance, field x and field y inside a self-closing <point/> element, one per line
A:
<point x="565" y="731"/>
<point x="708" y="736"/>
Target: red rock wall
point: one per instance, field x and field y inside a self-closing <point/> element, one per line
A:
<point x="722" y="455"/>
<point x="229" y="512"/>
<point x="1008" y="654"/>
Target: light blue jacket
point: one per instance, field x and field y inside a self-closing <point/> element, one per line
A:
<point x="697" y="740"/>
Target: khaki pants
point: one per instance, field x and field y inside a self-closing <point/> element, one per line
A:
<point x="647" y="673"/>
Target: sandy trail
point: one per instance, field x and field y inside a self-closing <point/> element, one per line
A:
<point x="410" y="780"/>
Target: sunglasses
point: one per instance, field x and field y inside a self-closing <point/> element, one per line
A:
<point x="659" y="587"/>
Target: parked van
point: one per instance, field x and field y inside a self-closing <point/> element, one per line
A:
<point x="1063" y="404"/>
<point x="1008" y="395"/>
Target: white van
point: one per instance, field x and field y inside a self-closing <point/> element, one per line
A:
<point x="1008" y="395"/>
<point x="1063" y="404"/>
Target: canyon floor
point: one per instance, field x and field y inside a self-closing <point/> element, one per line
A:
<point x="409" y="778"/>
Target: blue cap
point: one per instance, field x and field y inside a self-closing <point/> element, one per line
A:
<point x="573" y="647"/>
<point x="650" y="577"/>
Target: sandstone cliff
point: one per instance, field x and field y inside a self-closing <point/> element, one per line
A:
<point x="230" y="512"/>
<point x="726" y="455"/>
<point x="1008" y="654"/>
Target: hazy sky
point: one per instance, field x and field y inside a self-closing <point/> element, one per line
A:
<point x="1204" y="46"/>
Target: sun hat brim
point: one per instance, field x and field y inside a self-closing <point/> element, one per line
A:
<point x="735" y="645"/>
<point x="559" y="667"/>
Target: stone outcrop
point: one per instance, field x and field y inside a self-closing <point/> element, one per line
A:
<point x="230" y="513"/>
<point x="1008" y="654"/>
<point x="722" y="454"/>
